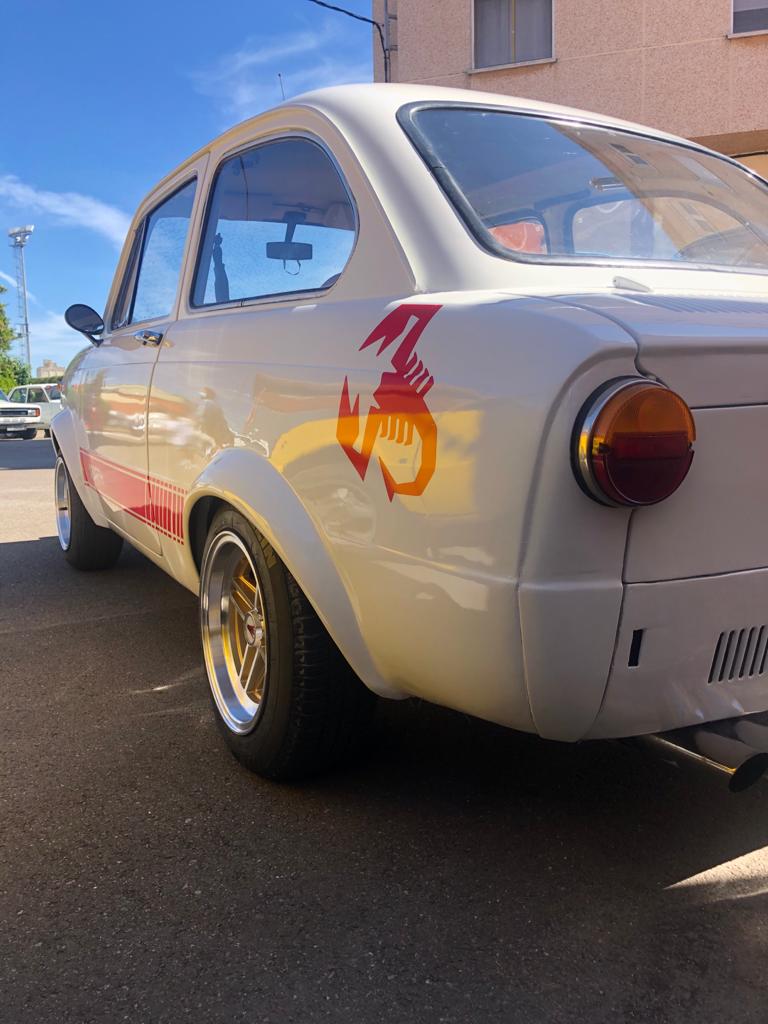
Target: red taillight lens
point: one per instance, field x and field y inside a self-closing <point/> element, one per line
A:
<point x="633" y="443"/>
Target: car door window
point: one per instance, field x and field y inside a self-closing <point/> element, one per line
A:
<point x="54" y="394"/>
<point x="280" y="220"/>
<point x="37" y="395"/>
<point x="164" y="234"/>
<point x="18" y="395"/>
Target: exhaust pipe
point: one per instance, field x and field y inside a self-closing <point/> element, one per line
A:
<point x="737" y="747"/>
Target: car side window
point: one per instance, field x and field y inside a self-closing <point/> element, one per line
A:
<point x="54" y="394"/>
<point x="280" y="220"/>
<point x="18" y="395"/>
<point x="37" y="395"/>
<point x="164" y="234"/>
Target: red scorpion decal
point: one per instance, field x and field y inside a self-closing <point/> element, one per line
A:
<point x="399" y="406"/>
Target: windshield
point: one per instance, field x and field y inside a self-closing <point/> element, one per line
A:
<point x="544" y="189"/>
<point x="3" y="396"/>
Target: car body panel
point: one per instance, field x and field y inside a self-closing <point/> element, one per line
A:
<point x="469" y="569"/>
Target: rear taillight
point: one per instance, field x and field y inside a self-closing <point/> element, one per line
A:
<point x="633" y="443"/>
<point x="35" y="412"/>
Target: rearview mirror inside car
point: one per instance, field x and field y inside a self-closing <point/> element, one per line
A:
<point x="287" y="251"/>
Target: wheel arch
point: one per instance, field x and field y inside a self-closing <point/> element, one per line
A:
<point x="248" y="483"/>
<point x="65" y="444"/>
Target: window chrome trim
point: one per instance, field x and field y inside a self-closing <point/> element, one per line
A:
<point x="486" y="242"/>
<point x="273" y="297"/>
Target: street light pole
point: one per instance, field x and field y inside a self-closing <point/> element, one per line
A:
<point x="19" y="238"/>
<point x="383" y="31"/>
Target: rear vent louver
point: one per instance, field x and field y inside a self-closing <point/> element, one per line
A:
<point x="740" y="654"/>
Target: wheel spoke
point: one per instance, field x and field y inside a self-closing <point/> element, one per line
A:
<point x="246" y="668"/>
<point x="236" y="630"/>
<point x="243" y="593"/>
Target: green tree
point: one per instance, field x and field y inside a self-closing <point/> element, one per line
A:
<point x="12" y="371"/>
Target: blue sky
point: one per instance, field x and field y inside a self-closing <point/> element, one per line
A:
<point x="102" y="100"/>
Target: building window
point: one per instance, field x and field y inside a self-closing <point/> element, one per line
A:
<point x="750" y="16"/>
<point x="514" y="31"/>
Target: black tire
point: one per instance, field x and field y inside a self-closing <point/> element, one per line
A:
<point x="28" y="435"/>
<point x="86" y="546"/>
<point x="314" y="712"/>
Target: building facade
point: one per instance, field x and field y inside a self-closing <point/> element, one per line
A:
<point x="50" y="370"/>
<point x="697" y="68"/>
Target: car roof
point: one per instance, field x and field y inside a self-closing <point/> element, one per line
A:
<point x="357" y="106"/>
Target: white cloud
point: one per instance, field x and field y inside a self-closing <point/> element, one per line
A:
<point x="68" y="208"/>
<point x="51" y="338"/>
<point x="11" y="281"/>
<point x="244" y="82"/>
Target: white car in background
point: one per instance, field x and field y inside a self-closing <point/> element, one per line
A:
<point x="18" y="420"/>
<point x="47" y="396"/>
<point x="404" y="383"/>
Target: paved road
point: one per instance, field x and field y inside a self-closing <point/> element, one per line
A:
<point x="460" y="874"/>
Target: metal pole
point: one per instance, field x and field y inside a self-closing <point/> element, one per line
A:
<point x="25" y="322"/>
<point x="388" y="47"/>
<point x="19" y="238"/>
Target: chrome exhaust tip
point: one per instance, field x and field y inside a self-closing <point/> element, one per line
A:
<point x="737" y="747"/>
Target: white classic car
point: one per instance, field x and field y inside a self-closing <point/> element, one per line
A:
<point x="47" y="396"/>
<point x="406" y="382"/>
<point x="18" y="420"/>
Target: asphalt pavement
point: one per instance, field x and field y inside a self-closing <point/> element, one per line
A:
<point x="459" y="873"/>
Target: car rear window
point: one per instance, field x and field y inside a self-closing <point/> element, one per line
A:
<point x="540" y="189"/>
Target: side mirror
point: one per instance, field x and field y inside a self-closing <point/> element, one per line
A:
<point x="85" y="320"/>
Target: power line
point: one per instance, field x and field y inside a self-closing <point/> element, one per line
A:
<point x="369" y="21"/>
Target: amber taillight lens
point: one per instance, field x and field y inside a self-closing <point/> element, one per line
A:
<point x="633" y="443"/>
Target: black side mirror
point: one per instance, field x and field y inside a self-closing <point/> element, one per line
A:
<point x="85" y="320"/>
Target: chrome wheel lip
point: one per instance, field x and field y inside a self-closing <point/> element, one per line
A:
<point x="238" y="709"/>
<point x="63" y="504"/>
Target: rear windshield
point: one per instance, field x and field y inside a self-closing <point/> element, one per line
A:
<point x="535" y="188"/>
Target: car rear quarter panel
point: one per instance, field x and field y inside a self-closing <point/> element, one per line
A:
<point x="426" y="585"/>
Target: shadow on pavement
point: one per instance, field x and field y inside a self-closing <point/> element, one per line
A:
<point x="35" y="454"/>
<point x="459" y="872"/>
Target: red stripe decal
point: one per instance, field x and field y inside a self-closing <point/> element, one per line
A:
<point x="155" y="502"/>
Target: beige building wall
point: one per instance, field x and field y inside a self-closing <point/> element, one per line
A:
<point x="665" y="63"/>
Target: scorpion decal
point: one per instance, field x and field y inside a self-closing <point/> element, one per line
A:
<point x="399" y="408"/>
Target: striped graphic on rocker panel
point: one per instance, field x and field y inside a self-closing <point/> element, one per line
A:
<point x="155" y="502"/>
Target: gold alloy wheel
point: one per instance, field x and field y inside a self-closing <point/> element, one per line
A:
<point x="234" y="631"/>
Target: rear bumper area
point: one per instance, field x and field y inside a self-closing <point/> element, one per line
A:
<point x="688" y="651"/>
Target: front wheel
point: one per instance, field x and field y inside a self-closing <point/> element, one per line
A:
<point x="85" y="545"/>
<point x="29" y="435"/>
<point x="285" y="699"/>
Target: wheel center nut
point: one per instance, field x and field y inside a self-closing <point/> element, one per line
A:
<point x="253" y="632"/>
